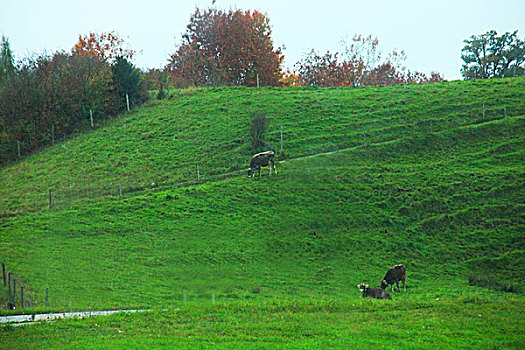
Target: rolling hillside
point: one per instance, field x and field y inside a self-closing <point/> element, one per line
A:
<point x="439" y="187"/>
<point x="161" y="145"/>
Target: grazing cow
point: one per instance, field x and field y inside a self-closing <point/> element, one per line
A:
<point x="371" y="292"/>
<point x="394" y="275"/>
<point x="262" y="159"/>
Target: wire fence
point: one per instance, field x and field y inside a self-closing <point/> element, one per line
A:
<point x="357" y="131"/>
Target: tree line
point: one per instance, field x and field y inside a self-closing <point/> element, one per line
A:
<point x="56" y="94"/>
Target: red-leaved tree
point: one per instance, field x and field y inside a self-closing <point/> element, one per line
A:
<point x="226" y="48"/>
<point x="359" y="64"/>
<point x="105" y="46"/>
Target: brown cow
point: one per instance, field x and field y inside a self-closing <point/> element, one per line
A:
<point x="262" y="159"/>
<point x="394" y="275"/>
<point x="371" y="292"/>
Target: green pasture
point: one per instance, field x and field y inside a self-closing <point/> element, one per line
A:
<point x="273" y="262"/>
<point x="162" y="144"/>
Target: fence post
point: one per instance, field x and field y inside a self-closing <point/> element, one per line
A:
<point x="22" y="296"/>
<point x="50" y="198"/>
<point x="281" y="139"/>
<point x="198" y="173"/>
<point x="18" y="147"/>
<point x="91" y="117"/>
<point x="9" y="282"/>
<point x="14" y="291"/>
<point x="3" y="273"/>
<point x="127" y="101"/>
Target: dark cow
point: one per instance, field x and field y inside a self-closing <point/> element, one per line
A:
<point x="371" y="292"/>
<point x="394" y="275"/>
<point x="262" y="159"/>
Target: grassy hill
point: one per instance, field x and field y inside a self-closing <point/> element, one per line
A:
<point x="161" y="145"/>
<point x="274" y="262"/>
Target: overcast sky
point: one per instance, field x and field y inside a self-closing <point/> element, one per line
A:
<point x="431" y="32"/>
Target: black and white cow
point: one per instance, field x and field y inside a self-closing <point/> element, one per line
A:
<point x="262" y="159"/>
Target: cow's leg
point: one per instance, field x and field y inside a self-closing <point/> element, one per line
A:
<point x="392" y="286"/>
<point x="270" y="166"/>
<point x="397" y="284"/>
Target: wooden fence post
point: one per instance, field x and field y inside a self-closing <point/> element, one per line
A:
<point x="91" y="117"/>
<point x="3" y="273"/>
<point x="9" y="282"/>
<point x="50" y="199"/>
<point x="281" y="139"/>
<point x="127" y="101"/>
<point x="22" y="296"/>
<point x="18" y="147"/>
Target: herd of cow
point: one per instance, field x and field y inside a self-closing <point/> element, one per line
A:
<point x="394" y="274"/>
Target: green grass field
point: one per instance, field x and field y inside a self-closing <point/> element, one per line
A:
<point x="273" y="262"/>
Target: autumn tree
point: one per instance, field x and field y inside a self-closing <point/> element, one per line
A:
<point x="491" y="55"/>
<point x="359" y="63"/>
<point x="329" y="70"/>
<point x="105" y="46"/>
<point x="226" y="48"/>
<point x="290" y="78"/>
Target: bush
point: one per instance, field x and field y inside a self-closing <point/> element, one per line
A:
<point x="258" y="128"/>
<point x="161" y="94"/>
<point x="491" y="281"/>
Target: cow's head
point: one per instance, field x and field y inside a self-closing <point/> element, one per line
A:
<point x="362" y="287"/>
<point x="384" y="284"/>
